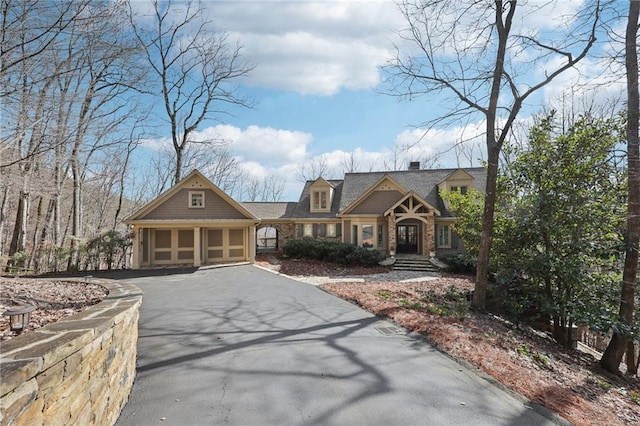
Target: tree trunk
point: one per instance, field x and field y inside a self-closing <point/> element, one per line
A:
<point x="44" y="234"/>
<point x="3" y="212"/>
<point x="630" y="358"/>
<point x="482" y="272"/>
<point x="76" y="218"/>
<point x="613" y="354"/>
<point x="18" y="240"/>
<point x="493" y="156"/>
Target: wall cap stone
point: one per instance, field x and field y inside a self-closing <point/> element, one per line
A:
<point x="24" y="357"/>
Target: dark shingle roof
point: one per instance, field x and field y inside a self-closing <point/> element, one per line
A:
<point x="422" y="182"/>
<point x="270" y="210"/>
<point x="303" y="207"/>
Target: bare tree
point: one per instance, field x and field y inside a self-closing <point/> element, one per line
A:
<point x="314" y="168"/>
<point x="349" y="163"/>
<point x="613" y="354"/>
<point x="30" y="29"/>
<point x="471" y="51"/>
<point x="72" y="65"/>
<point x="194" y="66"/>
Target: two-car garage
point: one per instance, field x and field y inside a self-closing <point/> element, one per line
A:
<point x="193" y="246"/>
<point x="193" y="223"/>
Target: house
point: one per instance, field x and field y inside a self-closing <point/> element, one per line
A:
<point x="196" y="223"/>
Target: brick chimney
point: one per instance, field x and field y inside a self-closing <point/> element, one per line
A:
<point x="414" y="165"/>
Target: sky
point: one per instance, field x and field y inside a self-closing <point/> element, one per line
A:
<point x="318" y="89"/>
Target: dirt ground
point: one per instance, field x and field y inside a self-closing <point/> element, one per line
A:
<point x="569" y="383"/>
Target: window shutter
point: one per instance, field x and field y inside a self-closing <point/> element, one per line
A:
<point x="323" y="229"/>
<point x="300" y="229"/>
<point x="339" y="230"/>
<point x="315" y="230"/>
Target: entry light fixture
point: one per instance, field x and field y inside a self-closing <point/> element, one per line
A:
<point x="19" y="317"/>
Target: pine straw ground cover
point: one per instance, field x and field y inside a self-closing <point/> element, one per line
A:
<point x="569" y="383"/>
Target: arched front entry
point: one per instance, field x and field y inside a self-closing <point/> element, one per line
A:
<point x="266" y="239"/>
<point x="411" y="227"/>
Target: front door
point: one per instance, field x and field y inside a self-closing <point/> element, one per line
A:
<point x="407" y="238"/>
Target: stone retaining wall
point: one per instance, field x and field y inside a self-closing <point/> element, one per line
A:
<point x="79" y="370"/>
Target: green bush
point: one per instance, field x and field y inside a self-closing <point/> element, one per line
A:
<point x="327" y="251"/>
<point x="464" y="263"/>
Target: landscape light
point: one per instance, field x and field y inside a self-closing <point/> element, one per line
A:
<point x="19" y="317"/>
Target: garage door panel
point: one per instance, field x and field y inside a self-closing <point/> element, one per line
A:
<point x="163" y="239"/>
<point x="185" y="255"/>
<point x="237" y="253"/>
<point x="214" y="237"/>
<point x="162" y="255"/>
<point x="185" y="238"/>
<point x="236" y="237"/>
<point x="215" y="254"/>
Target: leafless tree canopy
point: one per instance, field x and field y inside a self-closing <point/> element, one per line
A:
<point x="195" y="70"/>
<point x="480" y="55"/>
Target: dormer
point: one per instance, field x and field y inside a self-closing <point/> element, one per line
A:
<point x="320" y="196"/>
<point x="459" y="180"/>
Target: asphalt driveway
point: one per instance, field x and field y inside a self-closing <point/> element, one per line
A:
<point x="243" y="346"/>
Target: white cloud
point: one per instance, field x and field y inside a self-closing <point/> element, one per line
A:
<point x="311" y="47"/>
<point x="265" y="145"/>
<point x="454" y="147"/>
<point x="311" y="64"/>
<point x="593" y="83"/>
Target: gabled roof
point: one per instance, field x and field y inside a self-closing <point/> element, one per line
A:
<point x="457" y="173"/>
<point x="303" y="207"/>
<point x="206" y="183"/>
<point x="356" y="187"/>
<point x="265" y="210"/>
<point x="370" y="190"/>
<point x="424" y="183"/>
<point x="322" y="181"/>
<point x="417" y="197"/>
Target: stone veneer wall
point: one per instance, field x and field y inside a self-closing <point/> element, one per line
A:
<point x="79" y="370"/>
<point x="286" y="231"/>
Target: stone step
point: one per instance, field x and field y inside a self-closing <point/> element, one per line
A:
<point x="412" y="264"/>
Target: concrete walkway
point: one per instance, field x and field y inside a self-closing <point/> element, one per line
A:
<point x="244" y="346"/>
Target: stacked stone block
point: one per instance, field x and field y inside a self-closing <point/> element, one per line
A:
<point x="77" y="371"/>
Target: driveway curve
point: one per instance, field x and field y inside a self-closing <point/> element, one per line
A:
<point x="243" y="346"/>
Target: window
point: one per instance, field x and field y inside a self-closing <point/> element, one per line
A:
<point x="444" y="236"/>
<point x="319" y="200"/>
<point x="462" y="189"/>
<point x="307" y="230"/>
<point x="331" y="229"/>
<point x="196" y="199"/>
<point x="367" y="236"/>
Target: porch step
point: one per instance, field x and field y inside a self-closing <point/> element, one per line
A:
<point x="421" y="264"/>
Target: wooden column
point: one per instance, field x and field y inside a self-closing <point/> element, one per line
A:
<point x="196" y="247"/>
<point x="135" y="248"/>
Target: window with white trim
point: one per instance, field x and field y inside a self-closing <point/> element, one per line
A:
<point x="331" y="229"/>
<point x="367" y="236"/>
<point x="319" y="200"/>
<point x="307" y="230"/>
<point x="444" y="236"/>
<point x="196" y="199"/>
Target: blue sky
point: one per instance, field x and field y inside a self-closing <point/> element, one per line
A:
<point x="317" y="84"/>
